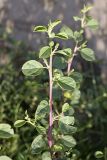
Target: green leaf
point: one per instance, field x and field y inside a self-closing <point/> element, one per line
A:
<point x="46" y="156"/>
<point x="65" y="52"/>
<point x="76" y="76"/>
<point x="55" y="23"/>
<point x="68" y="120"/>
<point x="57" y="147"/>
<point x="78" y="36"/>
<point x="6" y="131"/>
<point x="42" y="109"/>
<point x="45" y="52"/>
<point x="68" y="31"/>
<point x="67" y="109"/>
<point x="67" y="83"/>
<point x="19" y="123"/>
<point x="59" y="62"/>
<point x="5" y="158"/>
<point x="67" y="129"/>
<point x="41" y="129"/>
<point x="68" y="141"/>
<point x="93" y="24"/>
<point x="62" y="35"/>
<point x="99" y="154"/>
<point x="86" y="9"/>
<point x="38" y="145"/>
<point x="32" y="68"/>
<point x="87" y="54"/>
<point x="40" y="29"/>
<point x="76" y="18"/>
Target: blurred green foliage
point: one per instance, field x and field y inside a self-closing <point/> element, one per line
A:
<point x="18" y="94"/>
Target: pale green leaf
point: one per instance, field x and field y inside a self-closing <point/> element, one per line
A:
<point x="46" y="156"/>
<point x="5" y="158"/>
<point x="68" y="31"/>
<point x="32" y="68"/>
<point x="93" y="24"/>
<point x="87" y="54"/>
<point x="99" y="154"/>
<point x="19" y="123"/>
<point x="6" y="131"/>
<point x="45" y="52"/>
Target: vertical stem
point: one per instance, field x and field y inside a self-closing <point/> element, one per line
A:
<point x="69" y="65"/>
<point x="71" y="59"/>
<point x="50" y="141"/>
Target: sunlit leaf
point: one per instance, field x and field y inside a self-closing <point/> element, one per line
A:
<point x="32" y="68"/>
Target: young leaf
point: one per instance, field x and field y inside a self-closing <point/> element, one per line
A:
<point x="57" y="147"/>
<point x="65" y="52"/>
<point x="87" y="54"/>
<point x="55" y="23"/>
<point x="67" y="83"/>
<point x="93" y="24"/>
<point x="5" y="158"/>
<point x="68" y="141"/>
<point x="32" y="68"/>
<point x="46" y="156"/>
<point x="19" y="123"/>
<point x="6" y="131"/>
<point x="76" y="18"/>
<point x="68" y="120"/>
<point x="62" y="35"/>
<point x="65" y="107"/>
<point x="42" y="109"/>
<point x="38" y="145"/>
<point x="45" y="52"/>
<point x="86" y="9"/>
<point x="40" y="29"/>
<point x="68" y="31"/>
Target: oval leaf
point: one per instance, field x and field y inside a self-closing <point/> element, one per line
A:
<point x="31" y="68"/>
<point x="93" y="24"/>
<point x="87" y="54"/>
<point x="45" y="52"/>
<point x="68" y="120"/>
<point x="38" y="145"/>
<point x="40" y="29"/>
<point x="42" y="109"/>
<point x="68" y="141"/>
<point x="19" y="123"/>
<point x="6" y="131"/>
<point x="46" y="156"/>
<point x="67" y="110"/>
<point x="67" y="129"/>
<point x="67" y="83"/>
